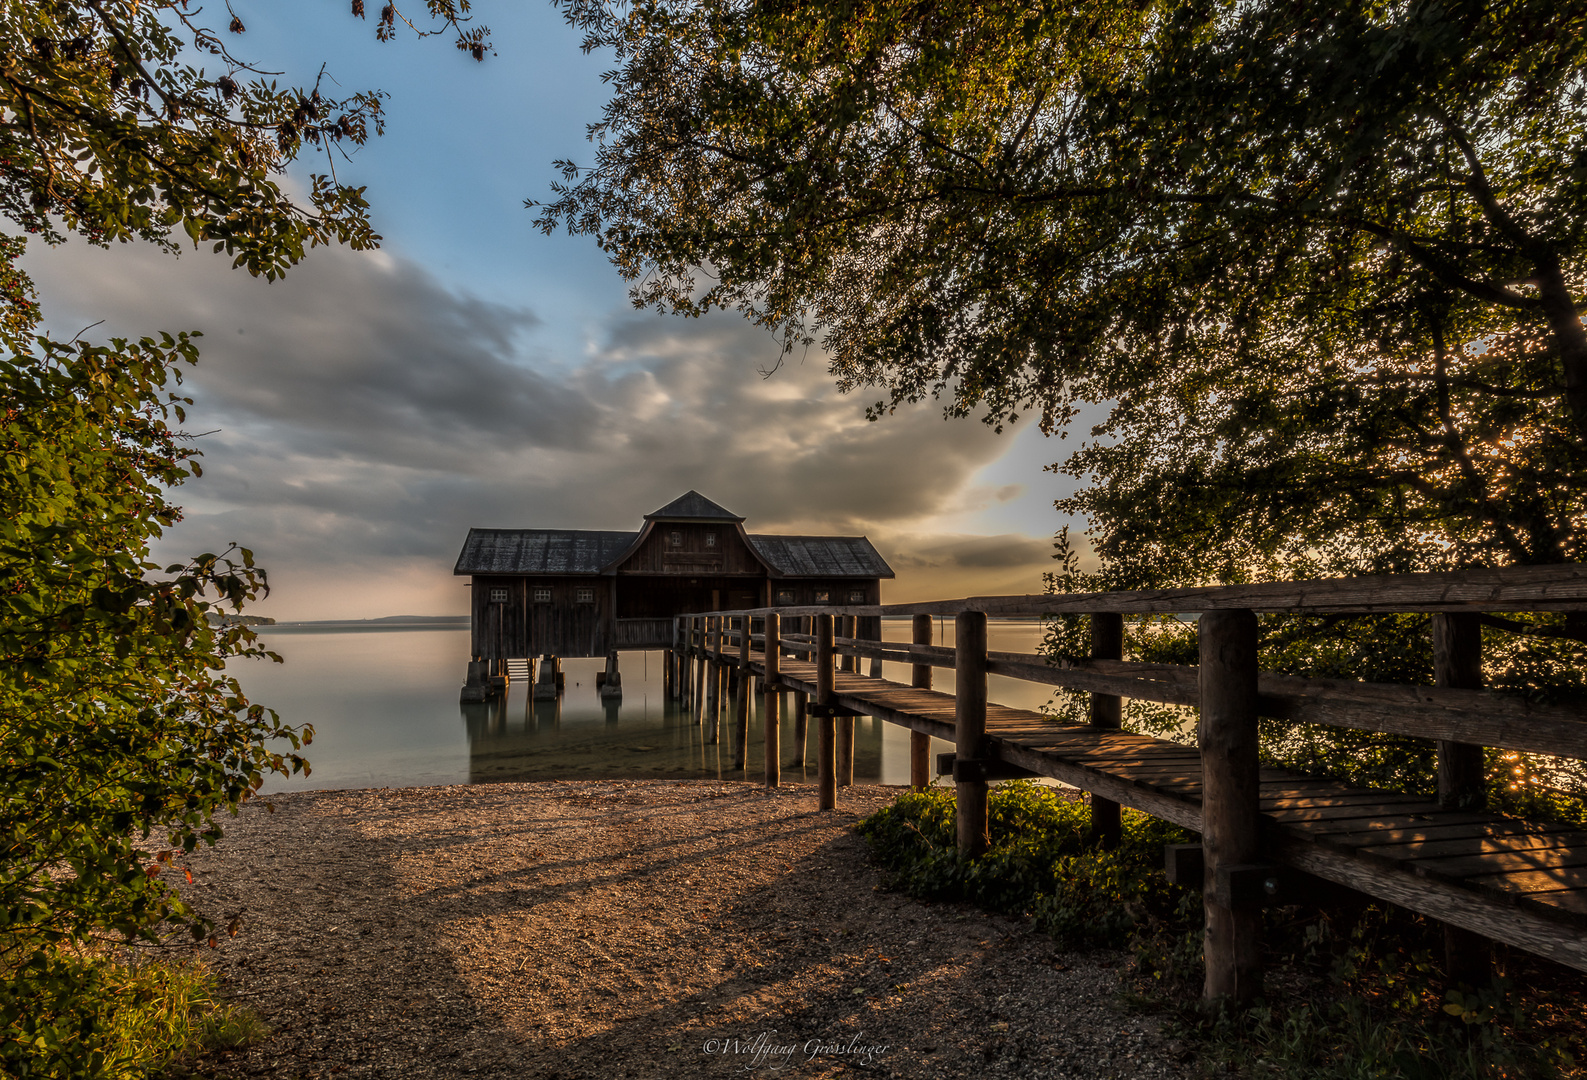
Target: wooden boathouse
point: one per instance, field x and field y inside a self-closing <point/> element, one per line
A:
<point x="570" y="593"/>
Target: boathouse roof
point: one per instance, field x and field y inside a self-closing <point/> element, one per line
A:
<point x="585" y="551"/>
<point x="557" y="552"/>
<point x="692" y="506"/>
<point x="540" y="551"/>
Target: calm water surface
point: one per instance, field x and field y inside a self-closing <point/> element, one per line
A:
<point x="385" y="714"/>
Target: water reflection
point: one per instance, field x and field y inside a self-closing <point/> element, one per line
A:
<point x="644" y="736"/>
<point x="384" y="706"/>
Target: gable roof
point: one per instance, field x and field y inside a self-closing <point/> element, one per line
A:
<point x="692" y="506"/>
<point x="821" y="556"/>
<point x="540" y="551"/>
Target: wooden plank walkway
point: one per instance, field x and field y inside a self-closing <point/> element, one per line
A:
<point x="1502" y="877"/>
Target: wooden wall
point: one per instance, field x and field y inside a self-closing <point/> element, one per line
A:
<point x="521" y="625"/>
<point x="695" y="553"/>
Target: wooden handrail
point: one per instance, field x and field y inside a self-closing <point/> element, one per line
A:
<point x="1427" y="712"/>
<point x="1558" y="587"/>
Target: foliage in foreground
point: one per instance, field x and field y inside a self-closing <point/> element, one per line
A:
<point x="1040" y="863"/>
<point x="120" y="737"/>
<point x="1354" y="992"/>
<point x="121" y="1019"/>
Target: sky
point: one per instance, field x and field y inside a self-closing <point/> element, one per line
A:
<point x="358" y="416"/>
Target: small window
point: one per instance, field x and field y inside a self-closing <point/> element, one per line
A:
<point x="823" y="596"/>
<point x="677" y="539"/>
<point x="785" y="596"/>
<point x="542" y="596"/>
<point x="856" y="596"/>
<point x="586" y="596"/>
<point x="498" y="596"/>
<point x="710" y="539"/>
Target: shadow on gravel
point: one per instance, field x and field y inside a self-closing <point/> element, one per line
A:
<point x="485" y="933"/>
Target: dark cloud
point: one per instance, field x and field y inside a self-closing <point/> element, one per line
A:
<point x="369" y="416"/>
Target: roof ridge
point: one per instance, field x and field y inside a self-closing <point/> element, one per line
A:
<point x="692" y="506"/>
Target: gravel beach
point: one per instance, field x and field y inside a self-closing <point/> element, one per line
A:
<point x="630" y="929"/>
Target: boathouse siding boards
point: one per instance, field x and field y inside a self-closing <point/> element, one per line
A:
<point x="563" y="592"/>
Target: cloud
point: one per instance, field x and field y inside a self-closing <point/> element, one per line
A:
<point x="369" y="415"/>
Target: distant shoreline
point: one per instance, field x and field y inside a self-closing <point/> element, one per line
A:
<point x="390" y="622"/>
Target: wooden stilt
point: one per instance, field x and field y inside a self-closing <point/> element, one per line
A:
<point x="1107" y="711"/>
<point x="744" y="688"/>
<point x="826" y="754"/>
<point x="920" y="742"/>
<point x="1230" y="813"/>
<point x="1462" y="780"/>
<point x="845" y="724"/>
<point x="969" y="768"/>
<point x="697" y="670"/>
<point x="713" y="681"/>
<point x="801" y="720"/>
<point x="773" y="709"/>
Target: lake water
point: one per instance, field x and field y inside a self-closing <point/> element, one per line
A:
<point x="384" y="708"/>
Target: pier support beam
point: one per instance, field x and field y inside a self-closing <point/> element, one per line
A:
<point x="713" y="680"/>
<point x="919" y="741"/>
<point x="548" y="687"/>
<point x="610" y="681"/>
<point x="773" y="707"/>
<point x="1107" y="712"/>
<point x="845" y="724"/>
<point x="744" y="687"/>
<point x="1462" y="781"/>
<point x="1230" y="810"/>
<point x="801" y="719"/>
<point x="476" y="685"/>
<point x="969" y="766"/>
<point x="826" y="752"/>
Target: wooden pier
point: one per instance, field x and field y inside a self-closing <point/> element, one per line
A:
<point x="1484" y="875"/>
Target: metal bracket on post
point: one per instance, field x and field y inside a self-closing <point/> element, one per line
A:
<point x="965" y="770"/>
<point x="813" y="709"/>
<point x="1247" y="886"/>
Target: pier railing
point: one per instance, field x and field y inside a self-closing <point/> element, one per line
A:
<point x="1222" y="796"/>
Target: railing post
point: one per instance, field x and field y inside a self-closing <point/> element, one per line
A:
<point x="801" y="719"/>
<point x="713" y="677"/>
<point x="741" y="700"/>
<point x="826" y="751"/>
<point x="969" y="766"/>
<point x="1457" y="663"/>
<point x="873" y="632"/>
<point x="697" y="666"/>
<point x="1107" y="712"/>
<point x="1230" y="809"/>
<point x="919" y="741"/>
<point x="845" y="724"/>
<point x="773" y="707"/>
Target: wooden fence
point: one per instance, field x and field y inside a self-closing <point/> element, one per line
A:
<point x="1485" y="875"/>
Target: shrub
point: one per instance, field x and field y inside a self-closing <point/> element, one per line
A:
<point x="1040" y="861"/>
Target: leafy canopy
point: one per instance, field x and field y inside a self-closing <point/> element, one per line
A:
<point x="1323" y="261"/>
<point x="109" y="130"/>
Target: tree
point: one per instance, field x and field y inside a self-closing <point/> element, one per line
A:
<point x="1324" y="262"/>
<point x="122" y="739"/>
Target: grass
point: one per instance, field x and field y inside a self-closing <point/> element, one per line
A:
<point x="1354" y="987"/>
<point x="96" y="1013"/>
